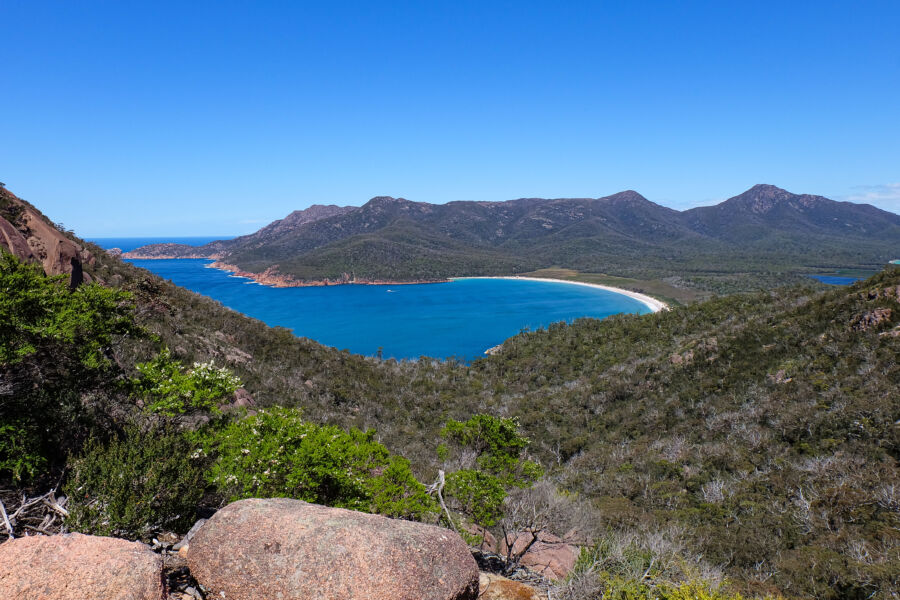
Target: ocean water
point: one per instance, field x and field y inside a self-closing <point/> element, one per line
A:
<point x="836" y="280"/>
<point x="459" y="319"/>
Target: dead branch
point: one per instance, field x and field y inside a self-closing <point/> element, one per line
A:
<point x="42" y="514"/>
<point x="55" y="506"/>
<point x="9" y="526"/>
<point x="436" y="488"/>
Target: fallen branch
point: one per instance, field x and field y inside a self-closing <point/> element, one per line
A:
<point x="54" y="505"/>
<point x="9" y="526"/>
<point x="42" y="514"/>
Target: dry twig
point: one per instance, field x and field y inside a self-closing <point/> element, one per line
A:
<point x="41" y="514"/>
<point x="9" y="526"/>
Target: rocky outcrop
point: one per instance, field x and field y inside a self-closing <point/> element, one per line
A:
<point x="289" y="549"/>
<point x="496" y="587"/>
<point x="14" y="242"/>
<point x="44" y="243"/>
<point x="241" y="399"/>
<point x="551" y="556"/>
<point x="872" y="318"/>
<point x="483" y="539"/>
<point x="76" y="567"/>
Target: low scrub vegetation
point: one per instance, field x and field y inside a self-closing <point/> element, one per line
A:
<point x="746" y="444"/>
<point x="135" y="485"/>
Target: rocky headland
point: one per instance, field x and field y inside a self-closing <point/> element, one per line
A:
<point x="169" y="251"/>
<point x="274" y="278"/>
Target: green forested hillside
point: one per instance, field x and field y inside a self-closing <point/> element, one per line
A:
<point x="764" y="426"/>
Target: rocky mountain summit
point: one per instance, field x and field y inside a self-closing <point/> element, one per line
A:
<point x="217" y="249"/>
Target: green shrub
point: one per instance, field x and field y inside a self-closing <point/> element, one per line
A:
<point x="135" y="485"/>
<point x="477" y="495"/>
<point x="56" y="364"/>
<point x="274" y="453"/>
<point x="489" y="456"/>
<point x="20" y="452"/>
<point x="39" y="314"/>
<point x="690" y="590"/>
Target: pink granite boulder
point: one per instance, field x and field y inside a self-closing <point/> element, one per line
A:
<point x="292" y="550"/>
<point x="76" y="567"/>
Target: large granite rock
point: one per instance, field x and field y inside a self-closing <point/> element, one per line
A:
<point x="292" y="550"/>
<point x="14" y="242"/>
<point x="43" y="242"/>
<point x="550" y="555"/>
<point x="77" y="567"/>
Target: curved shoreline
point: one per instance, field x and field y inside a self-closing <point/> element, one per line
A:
<point x="652" y="303"/>
<point x="272" y="278"/>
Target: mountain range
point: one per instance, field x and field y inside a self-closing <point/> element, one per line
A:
<point x="761" y="230"/>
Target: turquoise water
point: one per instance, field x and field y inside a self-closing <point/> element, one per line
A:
<point x="458" y="319"/>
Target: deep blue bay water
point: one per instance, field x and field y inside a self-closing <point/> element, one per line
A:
<point x="459" y="319"/>
<point x="835" y="279"/>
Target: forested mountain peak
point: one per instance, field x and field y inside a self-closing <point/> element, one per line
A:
<point x="762" y="230"/>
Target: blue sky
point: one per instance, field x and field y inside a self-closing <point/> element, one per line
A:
<point x="207" y="118"/>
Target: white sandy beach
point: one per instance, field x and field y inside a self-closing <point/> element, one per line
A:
<point x="652" y="303"/>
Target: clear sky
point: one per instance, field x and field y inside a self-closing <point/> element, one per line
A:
<point x="203" y="118"/>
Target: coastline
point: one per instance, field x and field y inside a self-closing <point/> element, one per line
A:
<point x="137" y="256"/>
<point x="652" y="303"/>
<point x="273" y="278"/>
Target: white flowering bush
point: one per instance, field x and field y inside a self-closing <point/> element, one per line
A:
<point x="168" y="388"/>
